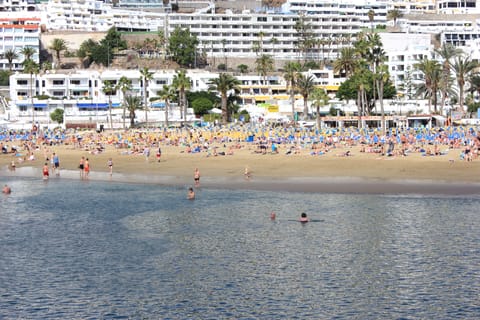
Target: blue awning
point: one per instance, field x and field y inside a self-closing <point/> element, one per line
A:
<point x="92" y="105"/>
<point x="158" y="105"/>
<point x="40" y="105"/>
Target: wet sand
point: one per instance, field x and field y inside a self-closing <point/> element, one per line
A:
<point x="329" y="173"/>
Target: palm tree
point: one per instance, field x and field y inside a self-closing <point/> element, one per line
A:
<point x="347" y="61"/>
<point x="168" y="93"/>
<point x="381" y="76"/>
<point x="375" y="56"/>
<point x="31" y="67"/>
<point x="162" y="42"/>
<point x="371" y="17"/>
<point x="28" y="53"/>
<point x="182" y="83"/>
<point x="264" y="65"/>
<point x="462" y="68"/>
<point x="431" y="70"/>
<point x="109" y="89"/>
<point x="133" y="103"/>
<point x="10" y="55"/>
<point x="146" y="77"/>
<point x="242" y="68"/>
<point x="305" y="85"/>
<point x="124" y="84"/>
<point x="223" y="84"/>
<point x="292" y="70"/>
<point x="447" y="52"/>
<point x="319" y="99"/>
<point x="394" y="15"/>
<point x="274" y="42"/>
<point x="58" y="45"/>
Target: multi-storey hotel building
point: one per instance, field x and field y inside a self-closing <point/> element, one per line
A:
<point x="17" y="31"/>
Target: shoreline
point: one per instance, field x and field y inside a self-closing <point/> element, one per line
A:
<point x="334" y="185"/>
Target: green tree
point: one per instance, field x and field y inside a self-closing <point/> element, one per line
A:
<point x="182" y="83"/>
<point x="162" y="42"/>
<point x="85" y="50"/>
<point x="432" y="74"/>
<point x="462" y="67"/>
<point x="146" y="76"/>
<point x="242" y="68"/>
<point x="264" y="65"/>
<point x="124" y="84"/>
<point x="201" y="106"/>
<point x="109" y="89"/>
<point x="28" y="53"/>
<point x="394" y="15"/>
<point x="167" y="94"/>
<point x="113" y="39"/>
<point x="447" y="52"/>
<point x="347" y="61"/>
<point x="305" y="34"/>
<point x="223" y="84"/>
<point x="182" y="46"/>
<point x="133" y="103"/>
<point x="4" y="78"/>
<point x="57" y="115"/>
<point x="305" y="85"/>
<point x="10" y="55"/>
<point x="350" y="89"/>
<point x="371" y="17"/>
<point x="32" y="68"/>
<point x="319" y="99"/>
<point x="58" y="45"/>
<point x="291" y="72"/>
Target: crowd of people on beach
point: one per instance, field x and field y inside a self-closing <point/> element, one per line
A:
<point x="26" y="146"/>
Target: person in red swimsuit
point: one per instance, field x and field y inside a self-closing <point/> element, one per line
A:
<point x="46" y="172"/>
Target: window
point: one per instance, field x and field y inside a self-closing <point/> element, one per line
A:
<point x="22" y="83"/>
<point x="75" y="82"/>
<point x="58" y="82"/>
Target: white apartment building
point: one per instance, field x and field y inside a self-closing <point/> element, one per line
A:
<point x="403" y="51"/>
<point x="94" y="15"/>
<point x="458" y="6"/>
<point x="17" y="31"/>
<point x="80" y="93"/>
<point x="18" y="5"/>
<point x="355" y="8"/>
<point x="234" y="35"/>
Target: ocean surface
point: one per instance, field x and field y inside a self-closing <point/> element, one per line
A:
<point x="73" y="249"/>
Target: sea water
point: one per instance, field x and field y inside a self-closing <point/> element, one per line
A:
<point x="106" y="250"/>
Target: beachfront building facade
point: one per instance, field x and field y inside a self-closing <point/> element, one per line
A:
<point x="80" y="94"/>
<point x="18" y="31"/>
<point x="18" y="5"/>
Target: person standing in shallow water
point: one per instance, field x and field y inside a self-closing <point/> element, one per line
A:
<point x="110" y="166"/>
<point x="196" y="177"/>
<point x="81" y="166"/>
<point x="46" y="172"/>
<point x="86" y="168"/>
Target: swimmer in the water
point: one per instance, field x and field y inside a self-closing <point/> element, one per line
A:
<point x="303" y="217"/>
<point x="191" y="194"/>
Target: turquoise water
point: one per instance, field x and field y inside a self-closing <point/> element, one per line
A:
<point x="106" y="250"/>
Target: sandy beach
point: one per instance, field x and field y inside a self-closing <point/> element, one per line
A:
<point x="330" y="172"/>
